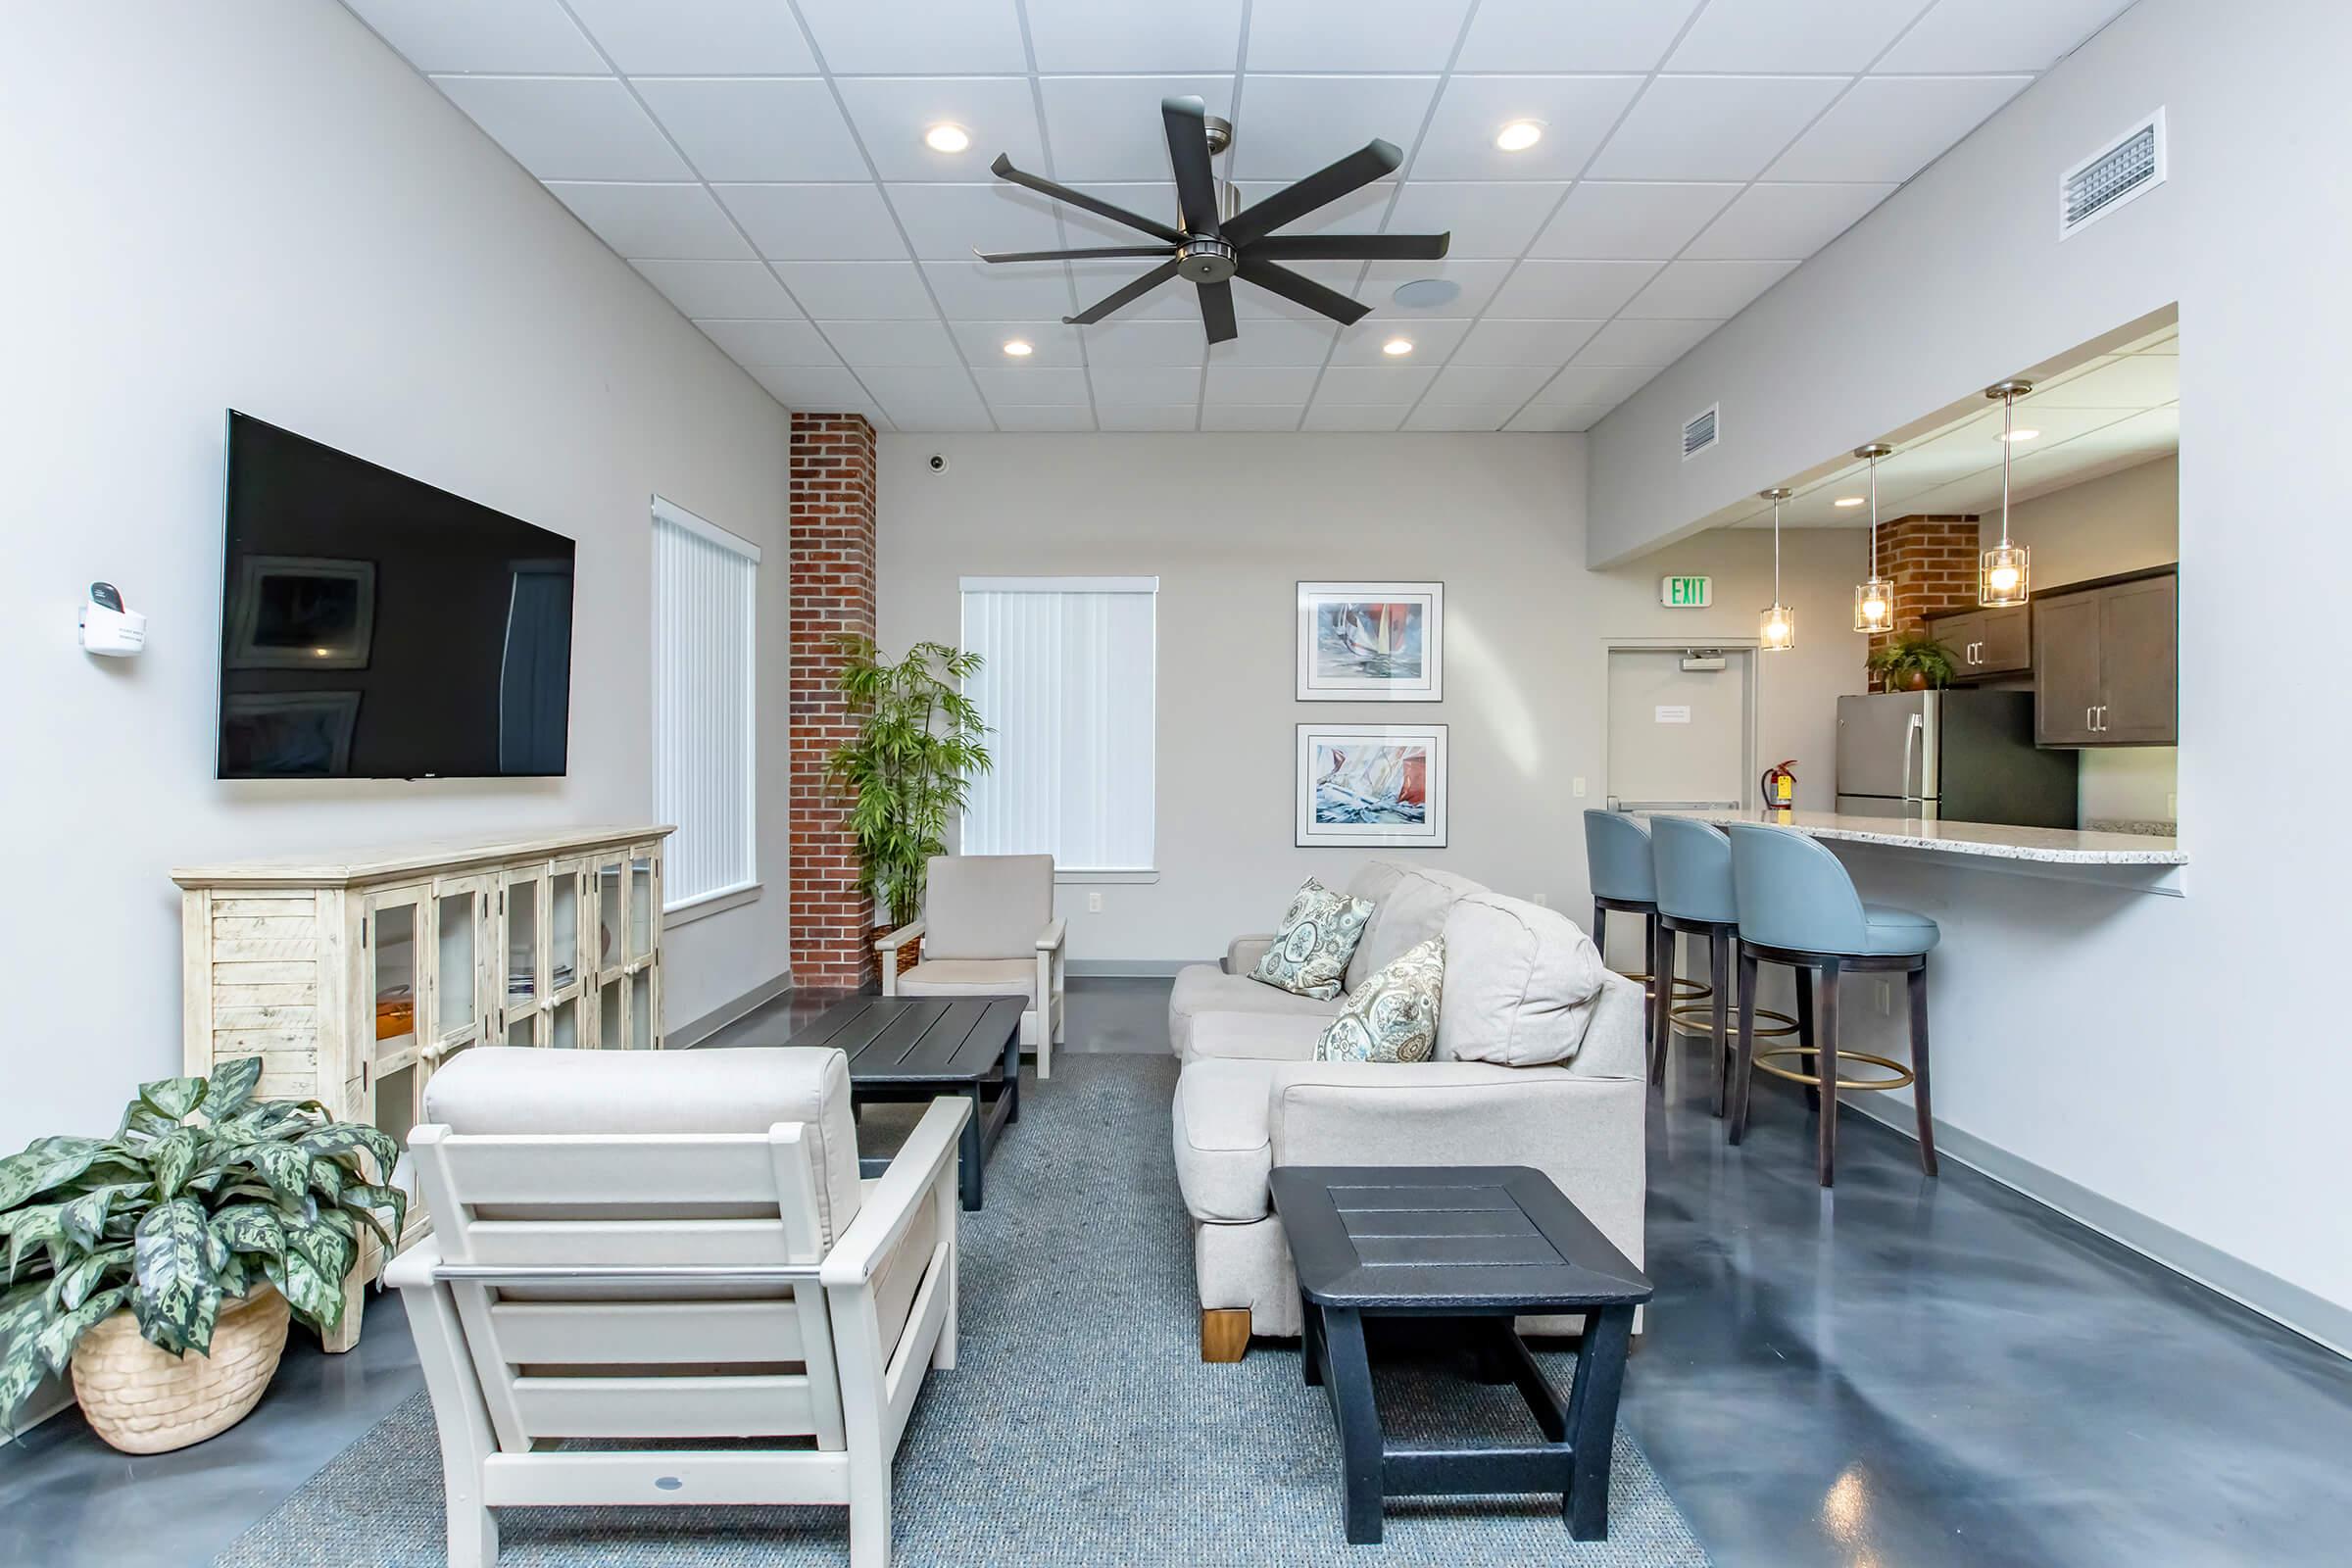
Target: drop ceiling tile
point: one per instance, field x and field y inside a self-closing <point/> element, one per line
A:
<point x="1122" y="342"/>
<point x="464" y="36"/>
<point x="1712" y="128"/>
<point x="2134" y="381"/>
<point x="1374" y="383"/>
<point x="1434" y="415"/>
<point x="1044" y="416"/>
<point x="892" y="113"/>
<point x="1977" y="36"/>
<point x="1253" y="304"/>
<point x="1576" y="113"/>
<point x="1087" y="36"/>
<point x="1761" y="36"/>
<point x="567" y="127"/>
<point x="1589" y="36"/>
<point x="1110" y="128"/>
<point x="1353" y="35"/>
<point x="694" y="37"/>
<point x="1355" y="416"/>
<point x="1502" y="340"/>
<point x="1720" y="289"/>
<point x="1289" y="126"/>
<point x="1049" y="343"/>
<point x="1788" y="222"/>
<point x="1261" y="384"/>
<point x="1651" y="343"/>
<point x="933" y="417"/>
<point x="770" y="342"/>
<point x="1578" y="290"/>
<point x="1559" y="419"/>
<point x="1630" y="221"/>
<point x="917" y="37"/>
<point x="1360" y="212"/>
<point x="858" y="291"/>
<point x="1432" y="338"/>
<point x="1512" y="384"/>
<point x="808" y="387"/>
<point x="878" y="344"/>
<point x="1149" y="416"/>
<point x="744" y="290"/>
<point x="1477" y="280"/>
<point x="947" y="222"/>
<point x="1148" y="199"/>
<point x="815" y="222"/>
<point x="1032" y="384"/>
<point x="756" y="128"/>
<point x="1145" y="383"/>
<point x="1486" y="218"/>
<point x="1890" y="128"/>
<point x="645" y="220"/>
<point x="1579" y="388"/>
<point x="1277" y="341"/>
<point x="1250" y="416"/>
<point x="1171" y="302"/>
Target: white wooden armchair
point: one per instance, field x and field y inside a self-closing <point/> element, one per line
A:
<point x="988" y="930"/>
<point x="673" y="1245"/>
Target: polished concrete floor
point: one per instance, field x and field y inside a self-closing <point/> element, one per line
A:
<point x="1902" y="1374"/>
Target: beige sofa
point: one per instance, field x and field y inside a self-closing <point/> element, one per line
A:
<point x="1523" y="985"/>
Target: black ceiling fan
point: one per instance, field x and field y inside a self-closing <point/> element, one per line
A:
<point x="1219" y="240"/>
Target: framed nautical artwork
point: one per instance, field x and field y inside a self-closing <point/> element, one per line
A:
<point x="1372" y="784"/>
<point x="1371" y="642"/>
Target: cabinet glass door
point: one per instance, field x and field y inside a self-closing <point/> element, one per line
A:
<point x="613" y="1014"/>
<point x="645" y="899"/>
<point x="524" y="965"/>
<point x="392" y="940"/>
<point x="461" y="909"/>
<point x="564" y="928"/>
<point x="609" y="890"/>
<point x="564" y="1025"/>
<point x="644" y="1001"/>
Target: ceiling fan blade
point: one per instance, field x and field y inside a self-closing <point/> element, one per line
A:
<point x="1126" y="296"/>
<point x="1358" y="169"/>
<point x="1070" y="256"/>
<point x="1301" y="290"/>
<point x="1216" y="312"/>
<point x="1187" y="124"/>
<point x="1003" y="169"/>
<point x="1350" y="247"/>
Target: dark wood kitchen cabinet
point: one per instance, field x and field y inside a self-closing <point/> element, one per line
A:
<point x="1985" y="643"/>
<point x="2106" y="663"/>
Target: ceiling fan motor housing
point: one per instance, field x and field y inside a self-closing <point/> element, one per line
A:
<point x="1207" y="259"/>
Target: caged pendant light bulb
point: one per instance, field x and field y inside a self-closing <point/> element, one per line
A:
<point x="1775" y="628"/>
<point x="1874" y="595"/>
<point x="2005" y="574"/>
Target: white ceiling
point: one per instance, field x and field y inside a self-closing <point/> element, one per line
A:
<point x="762" y="162"/>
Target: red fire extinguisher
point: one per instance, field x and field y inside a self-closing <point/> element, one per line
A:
<point x="1780" y="784"/>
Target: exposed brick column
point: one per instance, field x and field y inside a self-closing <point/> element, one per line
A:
<point x="832" y="541"/>
<point x="1931" y="560"/>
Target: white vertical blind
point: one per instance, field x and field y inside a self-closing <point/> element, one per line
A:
<point x="706" y="587"/>
<point x="1067" y="691"/>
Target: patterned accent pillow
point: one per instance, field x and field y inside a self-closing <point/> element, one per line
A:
<point x="1319" y="933"/>
<point x="1394" y="1015"/>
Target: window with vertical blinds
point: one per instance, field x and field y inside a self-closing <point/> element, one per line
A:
<point x="1066" y="689"/>
<point x="706" y="590"/>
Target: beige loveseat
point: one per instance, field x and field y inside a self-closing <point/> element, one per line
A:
<point x="1522" y="985"/>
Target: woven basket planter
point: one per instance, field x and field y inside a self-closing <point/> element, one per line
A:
<point x="145" y="1400"/>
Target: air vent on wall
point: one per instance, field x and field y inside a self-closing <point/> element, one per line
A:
<point x="2129" y="167"/>
<point x="1699" y="433"/>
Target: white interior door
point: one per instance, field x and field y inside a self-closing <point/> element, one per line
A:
<point x="1680" y="737"/>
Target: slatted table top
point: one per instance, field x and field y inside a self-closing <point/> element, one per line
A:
<point x="918" y="1040"/>
<point x="1439" y="1238"/>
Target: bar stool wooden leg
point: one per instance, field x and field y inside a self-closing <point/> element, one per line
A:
<point x="1748" y="1045"/>
<point x="1718" y="974"/>
<point x="1826" y="1056"/>
<point x="1662" y="952"/>
<point x="1655" y="1005"/>
<point x="1804" y="1034"/>
<point x="1918" y="986"/>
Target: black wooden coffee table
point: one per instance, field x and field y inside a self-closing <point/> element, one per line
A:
<point x="904" y="1048"/>
<point x="1480" y="1244"/>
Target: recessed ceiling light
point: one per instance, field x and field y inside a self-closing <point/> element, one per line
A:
<point x="946" y="137"/>
<point x="1850" y="501"/>
<point x="1427" y="293"/>
<point x="1519" y="135"/>
<point x="1397" y="346"/>
<point x="1019" y="348"/>
<point x="2020" y="435"/>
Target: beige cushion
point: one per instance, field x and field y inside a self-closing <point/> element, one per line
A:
<point x="971" y="977"/>
<point x="1222" y="1152"/>
<point x="502" y="1089"/>
<point x="1374" y="881"/>
<point x="1413" y="911"/>
<point x="986" y="905"/>
<point x="1520" y="983"/>
<point x="1205" y="988"/>
<point x="1255" y="1036"/>
<point x="900" y="1271"/>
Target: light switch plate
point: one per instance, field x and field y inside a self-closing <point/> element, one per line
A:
<point x="1576" y="787"/>
<point x="1093" y="904"/>
<point x="1542" y="901"/>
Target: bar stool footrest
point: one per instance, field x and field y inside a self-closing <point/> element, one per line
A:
<point x="1902" y="1078"/>
<point x="1702" y="1021"/>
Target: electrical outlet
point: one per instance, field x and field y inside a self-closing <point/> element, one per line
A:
<point x="1093" y="906"/>
<point x="1886" y="1000"/>
<point x="1542" y="901"/>
<point x="1576" y="787"/>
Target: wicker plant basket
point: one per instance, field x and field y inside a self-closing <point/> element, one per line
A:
<point x="145" y="1400"/>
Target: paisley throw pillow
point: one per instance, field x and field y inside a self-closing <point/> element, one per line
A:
<point x="1394" y="1015"/>
<point x="1318" y="936"/>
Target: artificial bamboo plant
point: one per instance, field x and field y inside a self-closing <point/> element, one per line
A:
<point x="911" y="767"/>
<point x="202" y="1192"/>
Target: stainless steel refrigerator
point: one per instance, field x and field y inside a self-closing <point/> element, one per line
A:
<point x="1954" y="757"/>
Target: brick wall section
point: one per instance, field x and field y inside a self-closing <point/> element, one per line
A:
<point x="1931" y="560"/>
<point x="832" y="545"/>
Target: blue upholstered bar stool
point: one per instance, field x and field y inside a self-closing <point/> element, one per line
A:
<point x="1696" y="899"/>
<point x="1798" y="906"/>
<point x="1625" y="879"/>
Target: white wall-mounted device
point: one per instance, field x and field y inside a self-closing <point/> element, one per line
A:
<point x="108" y="629"/>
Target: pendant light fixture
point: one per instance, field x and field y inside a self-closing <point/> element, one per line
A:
<point x="1874" y="595"/>
<point x="1777" y="626"/>
<point x="2005" y="574"/>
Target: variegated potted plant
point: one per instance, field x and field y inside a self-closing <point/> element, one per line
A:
<point x="163" y="1262"/>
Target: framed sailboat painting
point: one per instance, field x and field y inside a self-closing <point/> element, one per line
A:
<point x="1371" y="642"/>
<point x="1372" y="784"/>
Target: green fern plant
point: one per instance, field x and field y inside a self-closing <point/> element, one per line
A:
<point x="202" y="1192"/>
<point x="910" y="771"/>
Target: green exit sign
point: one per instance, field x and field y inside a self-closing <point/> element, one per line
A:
<point x="1685" y="593"/>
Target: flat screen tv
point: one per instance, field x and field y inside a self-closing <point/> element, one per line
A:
<point x="376" y="627"/>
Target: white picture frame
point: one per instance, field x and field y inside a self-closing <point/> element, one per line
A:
<point x="1371" y="642"/>
<point x="1358" y="785"/>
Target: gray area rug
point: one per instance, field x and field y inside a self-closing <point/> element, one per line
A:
<point x="1080" y="1427"/>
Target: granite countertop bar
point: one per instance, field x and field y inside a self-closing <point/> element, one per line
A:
<point x="2047" y="846"/>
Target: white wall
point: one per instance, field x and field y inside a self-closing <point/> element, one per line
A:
<point x="259" y="206"/>
<point x="2129" y="1050"/>
<point x="1230" y="523"/>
